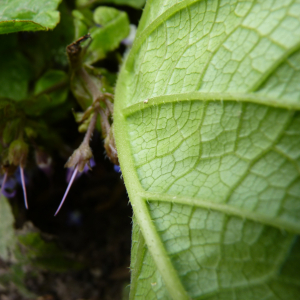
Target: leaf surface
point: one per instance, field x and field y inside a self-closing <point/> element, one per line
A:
<point x="15" y="72"/>
<point x="207" y="129"/>
<point x="28" y="15"/>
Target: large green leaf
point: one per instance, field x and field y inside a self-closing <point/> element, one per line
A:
<point x="28" y="15"/>
<point x="207" y="129"/>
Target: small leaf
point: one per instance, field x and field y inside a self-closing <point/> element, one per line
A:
<point x="83" y="20"/>
<point x="115" y="28"/>
<point x="45" y="98"/>
<point x="45" y="254"/>
<point x="103" y="15"/>
<point x="27" y="15"/>
<point x="11" y="130"/>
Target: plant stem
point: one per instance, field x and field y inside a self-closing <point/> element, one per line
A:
<point x="90" y="129"/>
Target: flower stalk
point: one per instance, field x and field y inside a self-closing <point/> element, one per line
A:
<point x="101" y="105"/>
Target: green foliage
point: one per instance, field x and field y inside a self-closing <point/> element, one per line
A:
<point x="34" y="71"/>
<point x="133" y="3"/>
<point x="51" y="80"/>
<point x="207" y="129"/>
<point x="26" y="249"/>
<point x="27" y="15"/>
<point x="8" y="239"/>
<point x="114" y="28"/>
<point x="45" y="255"/>
<point x="107" y="26"/>
<point x="35" y="100"/>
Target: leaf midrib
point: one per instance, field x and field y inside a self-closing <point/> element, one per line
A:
<point x="200" y="96"/>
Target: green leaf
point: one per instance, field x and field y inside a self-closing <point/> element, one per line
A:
<point x="207" y="128"/>
<point x="45" y="254"/>
<point x="51" y="90"/>
<point x="47" y="49"/>
<point x="11" y="270"/>
<point x="28" y="15"/>
<point x="114" y="28"/>
<point x="83" y="20"/>
<point x="133" y="3"/>
<point x="11" y="130"/>
<point x="7" y="241"/>
<point x="48" y="80"/>
<point x="107" y="26"/>
<point x="15" y="75"/>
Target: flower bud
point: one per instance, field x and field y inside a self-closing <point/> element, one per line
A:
<point x="80" y="157"/>
<point x="9" y="169"/>
<point x="17" y="153"/>
<point x="110" y="147"/>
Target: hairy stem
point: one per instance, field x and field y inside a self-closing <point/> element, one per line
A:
<point x="90" y="129"/>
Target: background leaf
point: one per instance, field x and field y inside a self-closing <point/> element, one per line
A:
<point x="113" y="27"/>
<point x="27" y="15"/>
<point x="8" y="239"/>
<point x="207" y="131"/>
<point x="23" y="249"/>
<point x="108" y="27"/>
<point x="133" y="3"/>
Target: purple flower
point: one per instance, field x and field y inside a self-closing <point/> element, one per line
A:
<point x="78" y="175"/>
<point x="44" y="161"/>
<point x="8" y="186"/>
<point x="9" y="183"/>
<point x="117" y="169"/>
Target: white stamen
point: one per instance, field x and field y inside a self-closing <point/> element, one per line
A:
<point x="67" y="190"/>
<point x="24" y="186"/>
